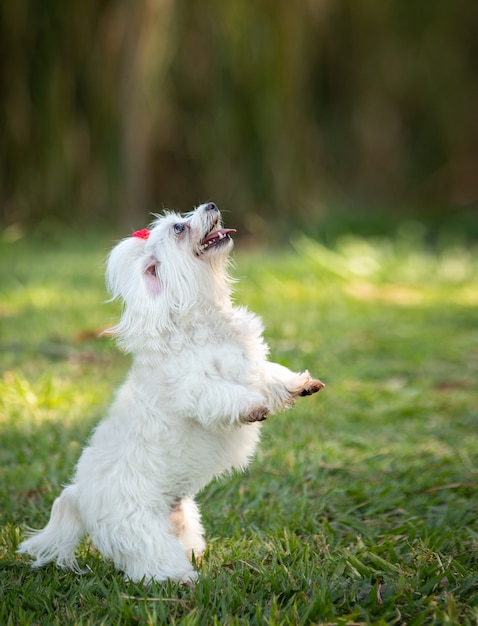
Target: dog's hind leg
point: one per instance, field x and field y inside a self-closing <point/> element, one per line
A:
<point x="144" y="546"/>
<point x="58" y="540"/>
<point x="187" y="527"/>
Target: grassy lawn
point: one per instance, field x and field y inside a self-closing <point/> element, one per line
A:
<point x="361" y="506"/>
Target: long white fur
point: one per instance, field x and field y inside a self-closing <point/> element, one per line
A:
<point x="186" y="413"/>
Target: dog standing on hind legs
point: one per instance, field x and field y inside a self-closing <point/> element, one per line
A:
<point x="189" y="410"/>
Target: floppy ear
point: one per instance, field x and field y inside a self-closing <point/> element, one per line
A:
<point x="130" y="275"/>
<point x="151" y="276"/>
<point x="120" y="267"/>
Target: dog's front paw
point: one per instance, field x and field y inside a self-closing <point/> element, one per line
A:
<point x="313" y="385"/>
<point x="258" y="414"/>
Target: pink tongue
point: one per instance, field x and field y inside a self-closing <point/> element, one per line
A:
<point x="216" y="234"/>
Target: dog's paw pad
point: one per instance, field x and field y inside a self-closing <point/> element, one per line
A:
<point x="313" y="386"/>
<point x="258" y="414"/>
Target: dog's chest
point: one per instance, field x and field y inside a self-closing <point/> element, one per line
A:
<point x="227" y="346"/>
<point x="233" y="353"/>
<point x="220" y="356"/>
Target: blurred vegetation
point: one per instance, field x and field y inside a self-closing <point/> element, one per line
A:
<point x="307" y="111"/>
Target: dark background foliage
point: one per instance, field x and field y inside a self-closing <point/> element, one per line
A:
<point x="307" y="111"/>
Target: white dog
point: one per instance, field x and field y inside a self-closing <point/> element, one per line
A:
<point x="190" y="409"/>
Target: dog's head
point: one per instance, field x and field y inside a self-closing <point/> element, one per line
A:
<point x="165" y="273"/>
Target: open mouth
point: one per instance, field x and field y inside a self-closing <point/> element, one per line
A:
<point x="215" y="238"/>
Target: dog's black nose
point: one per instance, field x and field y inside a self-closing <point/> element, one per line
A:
<point x="211" y="207"/>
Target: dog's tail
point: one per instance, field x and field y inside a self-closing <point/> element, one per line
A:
<point x="58" y="540"/>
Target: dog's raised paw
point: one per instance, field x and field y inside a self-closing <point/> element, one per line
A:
<point x="313" y="386"/>
<point x="258" y="414"/>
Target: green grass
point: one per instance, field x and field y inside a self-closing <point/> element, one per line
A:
<point x="361" y="506"/>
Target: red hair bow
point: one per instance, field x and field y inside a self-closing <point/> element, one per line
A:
<point x="142" y="234"/>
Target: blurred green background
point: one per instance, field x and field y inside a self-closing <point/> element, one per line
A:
<point x="328" y="114"/>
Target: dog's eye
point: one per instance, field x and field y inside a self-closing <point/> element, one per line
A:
<point x="179" y="228"/>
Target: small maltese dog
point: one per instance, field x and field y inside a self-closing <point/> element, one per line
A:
<point x="190" y="409"/>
